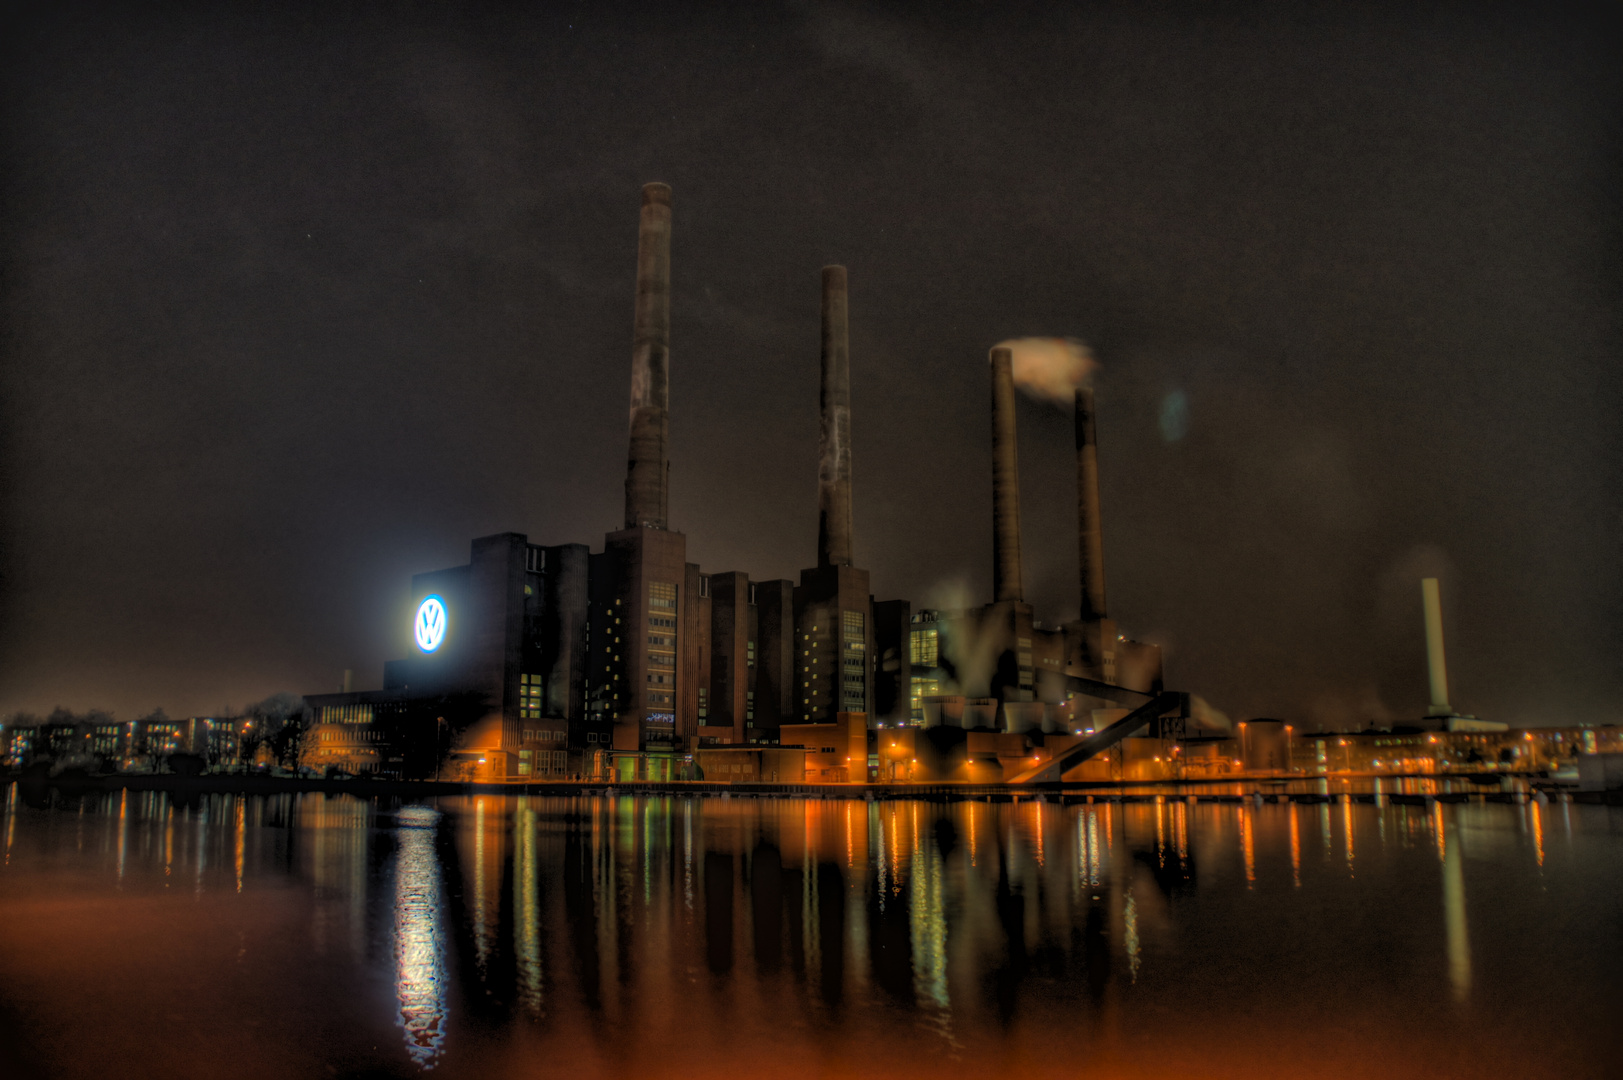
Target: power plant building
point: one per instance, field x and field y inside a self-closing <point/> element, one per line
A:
<point x="541" y="662"/>
<point x="996" y="667"/>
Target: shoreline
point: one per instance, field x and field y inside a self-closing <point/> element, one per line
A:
<point x="1251" y="789"/>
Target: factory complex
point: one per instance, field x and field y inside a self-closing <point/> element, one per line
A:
<point x="537" y="662"/>
<point x="533" y="663"/>
<point x="540" y="663"/>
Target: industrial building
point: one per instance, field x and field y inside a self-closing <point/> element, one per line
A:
<point x="549" y="662"/>
<point x="996" y="666"/>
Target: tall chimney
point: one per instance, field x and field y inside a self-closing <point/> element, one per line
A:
<point x="1090" y="538"/>
<point x="1005" y="482"/>
<point x="1434" y="648"/>
<point x="834" y="441"/>
<point x="647" y="469"/>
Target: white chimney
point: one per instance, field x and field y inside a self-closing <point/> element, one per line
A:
<point x="1434" y="648"/>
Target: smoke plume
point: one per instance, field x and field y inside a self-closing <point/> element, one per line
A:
<point x="1202" y="712"/>
<point x="1050" y="368"/>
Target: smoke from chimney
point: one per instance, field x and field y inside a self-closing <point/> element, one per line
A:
<point x="1050" y="369"/>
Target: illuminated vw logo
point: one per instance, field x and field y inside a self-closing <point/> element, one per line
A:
<point x="430" y="625"/>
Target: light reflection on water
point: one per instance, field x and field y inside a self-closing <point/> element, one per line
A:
<point x="598" y="929"/>
<point x="419" y="947"/>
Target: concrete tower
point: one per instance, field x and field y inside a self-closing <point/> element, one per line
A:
<point x="833" y="611"/>
<point x="648" y="469"/>
<point x="1006" y="583"/>
<point x="1090" y="537"/>
<point x="640" y="595"/>
<point x="1436" y="666"/>
<point x="834" y="443"/>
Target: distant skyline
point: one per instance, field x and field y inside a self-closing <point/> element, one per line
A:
<point x="295" y="303"/>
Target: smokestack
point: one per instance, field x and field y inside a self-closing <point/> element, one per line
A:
<point x="1090" y="537"/>
<point x="834" y="442"/>
<point x="1434" y="648"/>
<point x="1005" y="482"/>
<point x="647" y="469"/>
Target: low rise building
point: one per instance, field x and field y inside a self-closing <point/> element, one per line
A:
<point x="835" y="753"/>
<point x="752" y="764"/>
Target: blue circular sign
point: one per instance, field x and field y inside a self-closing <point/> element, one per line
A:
<point x="429" y="627"/>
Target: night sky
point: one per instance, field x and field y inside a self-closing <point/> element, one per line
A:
<point x="295" y="303"/>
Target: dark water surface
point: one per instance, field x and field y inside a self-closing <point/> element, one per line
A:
<point x="308" y="935"/>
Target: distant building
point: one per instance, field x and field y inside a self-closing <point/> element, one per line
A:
<point x="1407" y="750"/>
<point x="98" y="740"/>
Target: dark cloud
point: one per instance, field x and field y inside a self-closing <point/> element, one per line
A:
<point x="297" y="301"/>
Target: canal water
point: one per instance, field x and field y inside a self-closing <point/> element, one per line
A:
<point x="146" y="934"/>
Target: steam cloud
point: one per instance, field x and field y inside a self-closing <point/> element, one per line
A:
<point x="1207" y="716"/>
<point x="974" y="657"/>
<point x="1050" y="368"/>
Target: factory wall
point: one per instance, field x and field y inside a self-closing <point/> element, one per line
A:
<point x="696" y="690"/>
<point x="775" y="699"/>
<point x="892" y="662"/>
<point x="732" y="659"/>
<point x="834" y="632"/>
<point x="836" y="752"/>
<point x="752" y="764"/>
<point x="651" y="572"/>
<point x="557" y="610"/>
<point x="505" y="692"/>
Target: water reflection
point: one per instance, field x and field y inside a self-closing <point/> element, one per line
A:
<point x="1249" y="846"/>
<point x="482" y="842"/>
<point x="332" y="844"/>
<point x="1536" y="812"/>
<point x="419" y="937"/>
<point x="527" y="904"/>
<point x="1459" y="941"/>
<point x="1130" y="934"/>
<point x="123" y="831"/>
<point x="239" y="836"/>
<point x="601" y="926"/>
<point x="1347" y="817"/>
<point x="1296" y="848"/>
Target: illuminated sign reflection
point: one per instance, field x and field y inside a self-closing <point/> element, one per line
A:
<point x="419" y="937"/>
